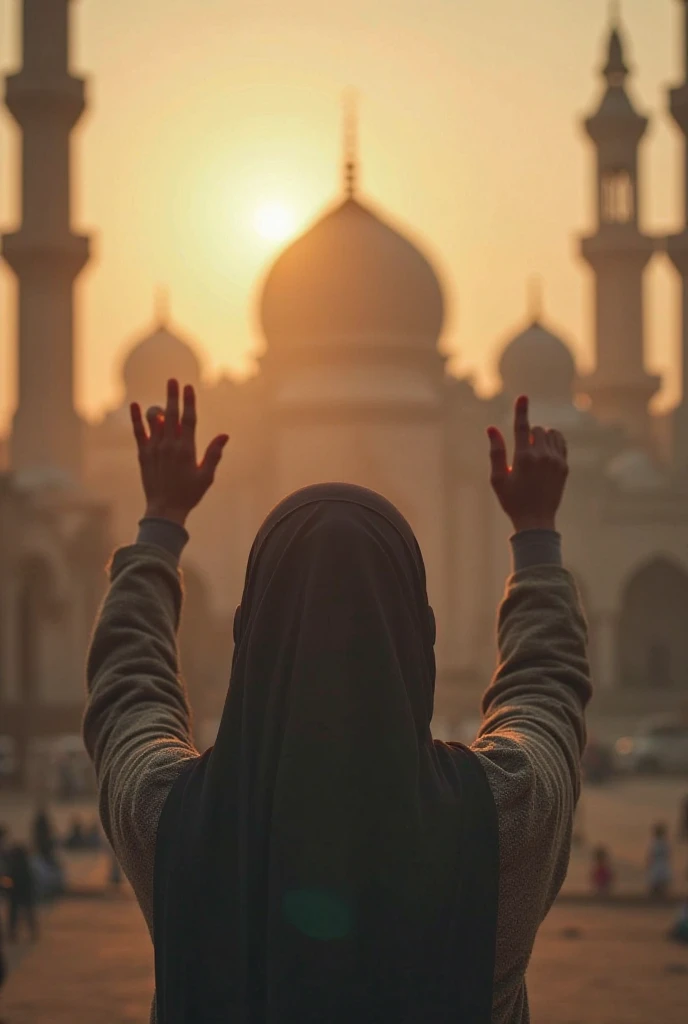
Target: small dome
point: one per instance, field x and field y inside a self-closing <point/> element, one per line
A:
<point x="634" y="470"/>
<point x="352" y="278"/>
<point x="153" y="360"/>
<point x="539" y="364"/>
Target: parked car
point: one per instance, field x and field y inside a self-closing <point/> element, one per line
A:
<point x="659" y="747"/>
<point x="598" y="762"/>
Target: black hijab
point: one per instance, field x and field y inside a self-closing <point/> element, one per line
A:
<point x="326" y="862"/>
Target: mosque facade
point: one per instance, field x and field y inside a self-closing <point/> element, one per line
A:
<point x="352" y="386"/>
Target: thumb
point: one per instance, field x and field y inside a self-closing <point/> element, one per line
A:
<point x="211" y="459"/>
<point x="498" y="460"/>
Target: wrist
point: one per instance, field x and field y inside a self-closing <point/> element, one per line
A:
<point x="523" y="523"/>
<point x="173" y="515"/>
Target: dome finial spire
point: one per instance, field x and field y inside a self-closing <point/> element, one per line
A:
<point x="350" y="104"/>
<point x="616" y="69"/>
<point x="535" y="298"/>
<point x="162" y="305"/>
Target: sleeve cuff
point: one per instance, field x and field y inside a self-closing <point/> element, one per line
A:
<point x="163" y="533"/>
<point x="531" y="548"/>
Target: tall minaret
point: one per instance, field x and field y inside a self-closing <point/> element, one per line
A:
<point x="620" y="388"/>
<point x="46" y="101"/>
<point x="677" y="246"/>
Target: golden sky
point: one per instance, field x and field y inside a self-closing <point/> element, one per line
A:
<point x="202" y="111"/>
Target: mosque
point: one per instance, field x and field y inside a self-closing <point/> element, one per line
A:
<point x="352" y="386"/>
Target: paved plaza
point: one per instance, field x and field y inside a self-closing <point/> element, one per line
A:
<point x="592" y="964"/>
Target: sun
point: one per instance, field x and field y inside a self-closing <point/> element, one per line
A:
<point x="274" y="221"/>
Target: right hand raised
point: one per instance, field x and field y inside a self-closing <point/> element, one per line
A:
<point x="529" y="491"/>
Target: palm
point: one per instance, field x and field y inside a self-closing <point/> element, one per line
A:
<point x="173" y="480"/>
<point x="531" y="489"/>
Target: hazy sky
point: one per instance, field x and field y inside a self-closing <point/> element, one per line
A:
<point x="202" y="110"/>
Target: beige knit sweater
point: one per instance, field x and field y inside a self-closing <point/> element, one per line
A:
<point x="137" y="729"/>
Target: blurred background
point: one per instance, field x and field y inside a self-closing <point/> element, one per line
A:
<point x="360" y="233"/>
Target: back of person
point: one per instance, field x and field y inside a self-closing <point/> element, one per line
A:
<point x="284" y="869"/>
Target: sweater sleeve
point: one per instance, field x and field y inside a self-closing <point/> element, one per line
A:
<point x="530" y="743"/>
<point x="137" y="723"/>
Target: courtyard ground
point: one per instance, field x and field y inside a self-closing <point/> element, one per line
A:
<point x="592" y="964"/>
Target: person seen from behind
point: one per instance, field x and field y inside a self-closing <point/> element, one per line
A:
<point x="601" y="871"/>
<point x="21" y="893"/>
<point x="659" y="871"/>
<point x="326" y="860"/>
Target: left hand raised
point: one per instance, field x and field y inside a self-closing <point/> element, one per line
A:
<point x="173" y="481"/>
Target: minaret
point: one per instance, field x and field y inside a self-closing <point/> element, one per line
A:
<point x="46" y="101"/>
<point x="620" y="388"/>
<point x="677" y="247"/>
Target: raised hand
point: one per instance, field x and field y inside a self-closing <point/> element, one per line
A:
<point x="529" y="491"/>
<point x="173" y="481"/>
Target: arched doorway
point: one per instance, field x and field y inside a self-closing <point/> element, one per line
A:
<point x="653" y="628"/>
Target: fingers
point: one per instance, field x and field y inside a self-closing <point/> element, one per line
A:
<point x="521" y="426"/>
<point x="539" y="443"/>
<point x="156" y="422"/>
<point x="140" y="435"/>
<point x="188" y="424"/>
<point x="498" y="458"/>
<point x="172" y="410"/>
<point x="211" y="459"/>
<point x="558" y="443"/>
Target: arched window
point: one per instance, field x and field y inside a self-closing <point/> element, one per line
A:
<point x="653" y="637"/>
<point x="618" y="200"/>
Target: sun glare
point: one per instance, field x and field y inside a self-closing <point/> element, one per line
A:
<point x="274" y="221"/>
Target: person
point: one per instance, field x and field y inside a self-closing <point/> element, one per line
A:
<point x="679" y="930"/>
<point x="22" y="892"/>
<point x="682" y="831"/>
<point x="3" y="882"/>
<point x="601" y="872"/>
<point x="659" y="874"/>
<point x="76" y="837"/>
<point x="327" y="860"/>
<point x="44" y="841"/>
<point x="115" y="872"/>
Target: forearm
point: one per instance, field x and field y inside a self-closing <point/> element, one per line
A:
<point x="542" y="683"/>
<point x="133" y="659"/>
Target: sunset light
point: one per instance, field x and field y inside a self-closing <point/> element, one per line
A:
<point x="274" y="221"/>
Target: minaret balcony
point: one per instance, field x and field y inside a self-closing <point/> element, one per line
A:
<point x="28" y="95"/>
<point x="621" y="243"/>
<point x="678" y="106"/>
<point x="62" y="257"/>
<point x="676" y="247"/>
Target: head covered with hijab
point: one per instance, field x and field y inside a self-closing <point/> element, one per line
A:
<point x="326" y="862"/>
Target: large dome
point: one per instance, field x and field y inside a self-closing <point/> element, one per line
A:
<point x="155" y="358"/>
<point x="352" y="279"/>
<point x="539" y="364"/>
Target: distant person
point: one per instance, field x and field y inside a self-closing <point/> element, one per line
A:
<point x="601" y="871"/>
<point x="679" y="929"/>
<point x="682" y="831"/>
<point x="327" y="861"/>
<point x="76" y="836"/>
<point x="22" y="892"/>
<point x="44" y="839"/>
<point x="659" y="874"/>
<point x="4" y="833"/>
<point x="92" y="836"/>
<point x="115" y="876"/>
<point x="3" y="883"/>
